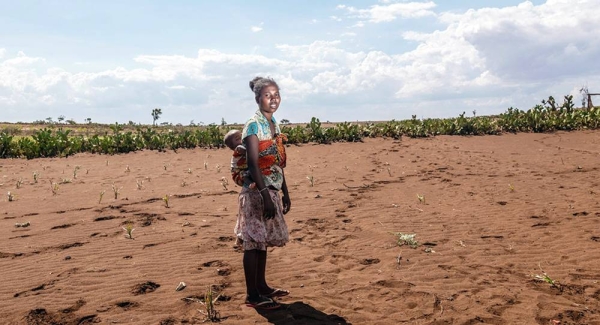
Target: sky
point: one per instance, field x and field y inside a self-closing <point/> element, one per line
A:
<point x="355" y="60"/>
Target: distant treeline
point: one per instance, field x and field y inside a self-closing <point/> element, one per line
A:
<point x="114" y="139"/>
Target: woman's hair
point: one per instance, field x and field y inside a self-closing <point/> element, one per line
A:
<point x="258" y="83"/>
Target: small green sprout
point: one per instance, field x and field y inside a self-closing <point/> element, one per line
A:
<point x="127" y="169"/>
<point x="139" y="184"/>
<point x="421" y="198"/>
<point x="75" y="171"/>
<point x="116" y="190"/>
<point x="35" y="177"/>
<point x="101" y="195"/>
<point x="129" y="230"/>
<point x="54" y="187"/>
<point x="311" y="179"/>
<point x="166" y="200"/>
<point x="544" y="277"/>
<point x="224" y="183"/>
<point x="210" y="313"/>
<point x="511" y="187"/>
<point x="19" y="183"/>
<point x="11" y="197"/>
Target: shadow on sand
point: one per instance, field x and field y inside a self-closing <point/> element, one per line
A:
<point x="299" y="313"/>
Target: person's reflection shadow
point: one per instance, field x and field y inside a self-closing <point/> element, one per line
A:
<point x="299" y="313"/>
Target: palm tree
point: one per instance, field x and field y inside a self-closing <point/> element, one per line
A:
<point x="156" y="115"/>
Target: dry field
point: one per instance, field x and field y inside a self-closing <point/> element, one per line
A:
<point x="492" y="215"/>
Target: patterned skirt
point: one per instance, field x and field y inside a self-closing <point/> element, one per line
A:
<point x="253" y="229"/>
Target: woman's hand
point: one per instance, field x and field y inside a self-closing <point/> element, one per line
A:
<point x="268" y="206"/>
<point x="287" y="203"/>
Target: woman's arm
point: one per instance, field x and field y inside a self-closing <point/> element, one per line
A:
<point x="287" y="203"/>
<point x="252" y="159"/>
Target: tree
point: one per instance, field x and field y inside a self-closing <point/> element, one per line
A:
<point x="156" y="113"/>
<point x="284" y="121"/>
<point x="88" y="120"/>
<point x="223" y="123"/>
<point x="61" y="118"/>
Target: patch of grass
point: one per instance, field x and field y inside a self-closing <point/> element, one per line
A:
<point x="406" y="239"/>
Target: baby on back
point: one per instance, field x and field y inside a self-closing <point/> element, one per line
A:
<point x="239" y="167"/>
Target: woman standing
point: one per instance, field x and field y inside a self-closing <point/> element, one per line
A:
<point x="260" y="222"/>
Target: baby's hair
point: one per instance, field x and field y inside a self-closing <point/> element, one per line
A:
<point x="229" y="138"/>
<point x="258" y="83"/>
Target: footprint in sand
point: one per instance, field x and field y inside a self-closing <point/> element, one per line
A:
<point x="144" y="288"/>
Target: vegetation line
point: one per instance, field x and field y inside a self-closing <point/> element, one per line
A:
<point x="47" y="142"/>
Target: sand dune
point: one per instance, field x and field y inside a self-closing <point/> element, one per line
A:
<point x="496" y="212"/>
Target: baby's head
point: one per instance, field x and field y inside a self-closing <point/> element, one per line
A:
<point x="233" y="139"/>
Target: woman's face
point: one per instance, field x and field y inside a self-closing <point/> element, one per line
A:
<point x="269" y="99"/>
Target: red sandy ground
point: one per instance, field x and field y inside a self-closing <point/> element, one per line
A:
<point x="486" y="240"/>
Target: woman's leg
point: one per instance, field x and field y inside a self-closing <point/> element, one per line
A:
<point x="252" y="269"/>
<point x="261" y="281"/>
<point x="250" y="272"/>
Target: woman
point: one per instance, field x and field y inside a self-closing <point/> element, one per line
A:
<point x="260" y="221"/>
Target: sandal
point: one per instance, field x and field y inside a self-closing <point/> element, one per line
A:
<point x="277" y="293"/>
<point x="263" y="303"/>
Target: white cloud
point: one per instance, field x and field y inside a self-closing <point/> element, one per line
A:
<point x="256" y="29"/>
<point x="2" y="52"/>
<point x="486" y="59"/>
<point x="390" y="12"/>
<point x="336" y="18"/>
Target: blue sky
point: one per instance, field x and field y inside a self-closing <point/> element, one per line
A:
<point x="114" y="61"/>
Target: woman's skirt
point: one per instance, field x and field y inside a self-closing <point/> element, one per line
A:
<point x="255" y="231"/>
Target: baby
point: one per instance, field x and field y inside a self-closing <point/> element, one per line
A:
<point x="239" y="168"/>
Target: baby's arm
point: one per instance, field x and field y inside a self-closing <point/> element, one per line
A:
<point x="241" y="150"/>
